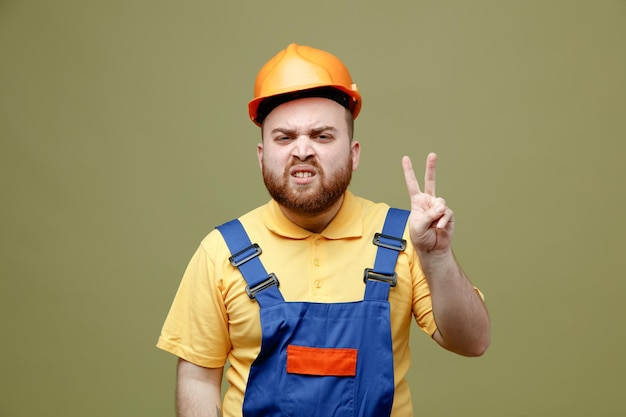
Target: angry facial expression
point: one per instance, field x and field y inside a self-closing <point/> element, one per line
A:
<point x="307" y="155"/>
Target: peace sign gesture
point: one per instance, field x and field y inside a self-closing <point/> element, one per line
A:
<point x="431" y="222"/>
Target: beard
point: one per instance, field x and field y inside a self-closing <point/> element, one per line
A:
<point x="311" y="199"/>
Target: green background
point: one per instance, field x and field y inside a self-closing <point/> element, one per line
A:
<point x="125" y="139"/>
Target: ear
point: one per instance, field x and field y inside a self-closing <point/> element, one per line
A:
<point x="355" y="147"/>
<point x="259" y="154"/>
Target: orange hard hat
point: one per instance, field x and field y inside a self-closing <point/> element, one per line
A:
<point x="302" y="71"/>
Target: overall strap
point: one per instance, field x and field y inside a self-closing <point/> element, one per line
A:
<point x="262" y="286"/>
<point x="379" y="279"/>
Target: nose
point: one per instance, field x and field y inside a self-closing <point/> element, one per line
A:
<point x="303" y="148"/>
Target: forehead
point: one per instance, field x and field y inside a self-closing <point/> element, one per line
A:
<point x="307" y="113"/>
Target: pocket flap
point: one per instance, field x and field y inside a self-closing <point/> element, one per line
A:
<point x="321" y="361"/>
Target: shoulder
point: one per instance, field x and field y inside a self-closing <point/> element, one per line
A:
<point x="374" y="214"/>
<point x="214" y="245"/>
<point x="371" y="212"/>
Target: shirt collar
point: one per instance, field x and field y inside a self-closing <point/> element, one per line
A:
<point x="346" y="224"/>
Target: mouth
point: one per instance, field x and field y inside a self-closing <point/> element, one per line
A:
<point x="303" y="175"/>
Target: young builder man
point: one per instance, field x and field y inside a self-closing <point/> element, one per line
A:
<point x="311" y="296"/>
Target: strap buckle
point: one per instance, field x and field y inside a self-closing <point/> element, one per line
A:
<point x="270" y="281"/>
<point x="389" y="242"/>
<point x="391" y="279"/>
<point x="245" y="255"/>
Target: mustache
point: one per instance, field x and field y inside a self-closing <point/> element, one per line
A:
<point x="310" y="162"/>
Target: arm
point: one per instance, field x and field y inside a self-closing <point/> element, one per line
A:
<point x="198" y="390"/>
<point x="461" y="316"/>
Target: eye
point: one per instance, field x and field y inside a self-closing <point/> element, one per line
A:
<point x="323" y="136"/>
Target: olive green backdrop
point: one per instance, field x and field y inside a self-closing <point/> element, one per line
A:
<point x="125" y="139"/>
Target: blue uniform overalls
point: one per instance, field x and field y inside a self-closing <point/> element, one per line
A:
<point x="319" y="359"/>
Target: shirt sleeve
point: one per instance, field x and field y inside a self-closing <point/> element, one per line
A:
<point x="422" y="302"/>
<point x="196" y="327"/>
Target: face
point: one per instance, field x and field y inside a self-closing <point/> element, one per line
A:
<point x="307" y="155"/>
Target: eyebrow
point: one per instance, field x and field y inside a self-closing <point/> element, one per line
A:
<point x="286" y="131"/>
<point x="292" y="132"/>
<point x="323" y="129"/>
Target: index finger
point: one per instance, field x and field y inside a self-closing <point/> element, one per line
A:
<point x="412" y="185"/>
<point x="429" y="176"/>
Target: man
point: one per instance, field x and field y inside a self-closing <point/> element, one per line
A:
<point x="326" y="331"/>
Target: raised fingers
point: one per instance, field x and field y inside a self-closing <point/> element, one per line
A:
<point x="429" y="176"/>
<point x="412" y="185"/>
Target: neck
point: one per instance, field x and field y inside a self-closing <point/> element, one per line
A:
<point x="313" y="223"/>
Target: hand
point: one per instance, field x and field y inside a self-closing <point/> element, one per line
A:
<point x="431" y="222"/>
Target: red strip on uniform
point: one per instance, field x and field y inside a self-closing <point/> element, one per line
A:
<point x="321" y="361"/>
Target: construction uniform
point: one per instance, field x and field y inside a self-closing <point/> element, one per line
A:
<point x="333" y="345"/>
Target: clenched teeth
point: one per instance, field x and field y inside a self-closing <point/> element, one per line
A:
<point x="303" y="174"/>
